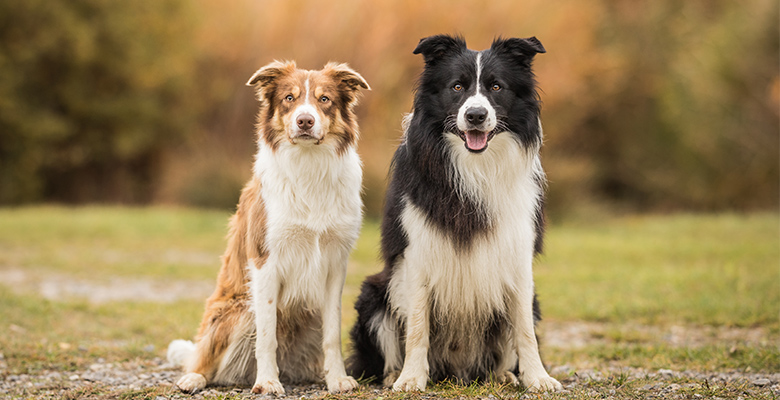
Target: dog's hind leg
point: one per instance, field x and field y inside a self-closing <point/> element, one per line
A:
<point x="212" y="341"/>
<point x="376" y="351"/>
<point x="387" y="334"/>
<point x="507" y="360"/>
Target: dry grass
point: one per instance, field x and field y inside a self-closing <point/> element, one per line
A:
<point x="634" y="280"/>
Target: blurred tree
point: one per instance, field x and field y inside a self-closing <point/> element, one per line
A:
<point x="684" y="118"/>
<point x="91" y="94"/>
<point x="661" y="105"/>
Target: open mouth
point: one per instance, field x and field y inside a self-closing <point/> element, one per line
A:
<point x="476" y="141"/>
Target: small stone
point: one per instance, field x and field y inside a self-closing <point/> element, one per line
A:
<point x="149" y="348"/>
<point x="761" y="382"/>
<point x="65" y="346"/>
<point x="73" y="377"/>
<point x="666" y="373"/>
<point x="562" y="370"/>
<point x="83" y="348"/>
<point x="697" y="396"/>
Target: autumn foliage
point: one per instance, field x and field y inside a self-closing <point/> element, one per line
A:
<point x="647" y="105"/>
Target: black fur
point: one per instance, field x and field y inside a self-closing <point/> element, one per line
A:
<point x="367" y="360"/>
<point x="421" y="171"/>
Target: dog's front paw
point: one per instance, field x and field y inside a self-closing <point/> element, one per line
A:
<point x="543" y="384"/>
<point x="191" y="382"/>
<point x="390" y="378"/>
<point x="270" y="386"/>
<point x="410" y="382"/>
<point x="341" y="384"/>
<point x="507" y="378"/>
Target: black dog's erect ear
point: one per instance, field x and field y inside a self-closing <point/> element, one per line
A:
<point x="525" y="48"/>
<point x="435" y="47"/>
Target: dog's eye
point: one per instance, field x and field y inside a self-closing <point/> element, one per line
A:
<point x="458" y="87"/>
<point x="289" y="97"/>
<point x="324" y="99"/>
<point x="496" y="87"/>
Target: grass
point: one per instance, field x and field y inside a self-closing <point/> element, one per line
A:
<point x="721" y="270"/>
<point x="687" y="270"/>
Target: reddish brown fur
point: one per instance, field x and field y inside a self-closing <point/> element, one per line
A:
<point x="229" y="302"/>
<point x="335" y="81"/>
<point x="228" y="306"/>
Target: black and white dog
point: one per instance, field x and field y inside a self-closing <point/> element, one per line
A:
<point x="462" y="222"/>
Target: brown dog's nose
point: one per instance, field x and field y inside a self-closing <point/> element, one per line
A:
<point x="305" y="121"/>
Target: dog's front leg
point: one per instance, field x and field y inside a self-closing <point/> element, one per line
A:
<point x="265" y="296"/>
<point x="335" y="375"/>
<point x="414" y="375"/>
<point x="532" y="373"/>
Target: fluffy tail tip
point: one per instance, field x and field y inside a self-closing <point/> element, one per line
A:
<point x="179" y="351"/>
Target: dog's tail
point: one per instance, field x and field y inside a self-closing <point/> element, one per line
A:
<point x="180" y="351"/>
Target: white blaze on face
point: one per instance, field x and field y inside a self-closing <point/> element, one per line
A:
<point x="307" y="110"/>
<point x="477" y="131"/>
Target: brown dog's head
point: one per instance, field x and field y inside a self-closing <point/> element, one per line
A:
<point x="307" y="108"/>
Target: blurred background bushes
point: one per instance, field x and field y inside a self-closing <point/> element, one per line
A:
<point x="648" y="106"/>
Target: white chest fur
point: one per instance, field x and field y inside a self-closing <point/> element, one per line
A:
<point x="473" y="283"/>
<point x="313" y="215"/>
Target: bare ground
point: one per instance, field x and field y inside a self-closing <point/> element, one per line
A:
<point x="154" y="378"/>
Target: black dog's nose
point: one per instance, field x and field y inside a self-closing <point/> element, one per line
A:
<point x="476" y="115"/>
<point x="305" y="121"/>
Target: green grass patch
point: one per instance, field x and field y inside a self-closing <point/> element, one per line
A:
<point x="700" y="269"/>
<point x="106" y="242"/>
<point x="690" y="270"/>
<point x="39" y="334"/>
<point x="654" y="356"/>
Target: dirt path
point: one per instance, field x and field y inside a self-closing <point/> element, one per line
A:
<point x="154" y="379"/>
<point x="55" y="286"/>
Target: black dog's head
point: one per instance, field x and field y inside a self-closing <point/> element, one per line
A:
<point x="477" y="95"/>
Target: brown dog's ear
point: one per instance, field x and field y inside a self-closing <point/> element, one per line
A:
<point x="346" y="75"/>
<point x="266" y="75"/>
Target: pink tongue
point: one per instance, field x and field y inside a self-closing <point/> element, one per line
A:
<point x="476" y="140"/>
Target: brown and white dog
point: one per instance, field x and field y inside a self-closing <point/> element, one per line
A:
<point x="276" y="310"/>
